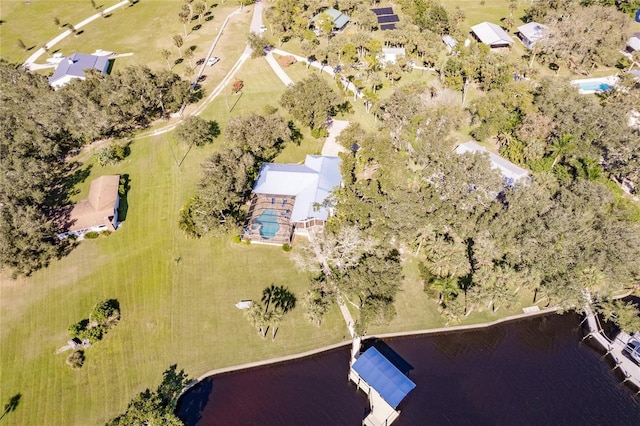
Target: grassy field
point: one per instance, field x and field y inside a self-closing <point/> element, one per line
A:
<point x="177" y="295"/>
<point x="33" y="22"/>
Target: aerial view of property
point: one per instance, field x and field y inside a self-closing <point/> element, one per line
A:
<point x="302" y="212"/>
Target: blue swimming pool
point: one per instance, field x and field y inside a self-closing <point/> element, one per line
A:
<point x="268" y="221"/>
<point x="593" y="86"/>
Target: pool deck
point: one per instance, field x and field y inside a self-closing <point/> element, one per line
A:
<point x="282" y="206"/>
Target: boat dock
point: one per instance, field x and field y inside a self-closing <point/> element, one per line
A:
<point x="615" y="349"/>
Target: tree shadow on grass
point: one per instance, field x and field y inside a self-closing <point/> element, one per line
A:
<point x="11" y="406"/>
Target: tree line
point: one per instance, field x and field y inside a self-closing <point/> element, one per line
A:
<point x="39" y="127"/>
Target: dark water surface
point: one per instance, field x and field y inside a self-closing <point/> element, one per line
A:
<point x="528" y="372"/>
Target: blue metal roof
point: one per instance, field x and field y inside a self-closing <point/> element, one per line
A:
<point x="383" y="376"/>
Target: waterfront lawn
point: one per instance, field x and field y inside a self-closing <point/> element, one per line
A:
<point x="177" y="300"/>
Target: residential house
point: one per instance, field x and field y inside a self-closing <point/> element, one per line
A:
<point x="492" y="35"/>
<point x="98" y="212"/>
<point x="290" y="199"/>
<point x="531" y="33"/>
<point x="340" y="20"/>
<point x="390" y="54"/>
<point x="509" y="171"/>
<point x="74" y="67"/>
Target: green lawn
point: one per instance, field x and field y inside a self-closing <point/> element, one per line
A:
<point x="177" y="295"/>
<point x="33" y="22"/>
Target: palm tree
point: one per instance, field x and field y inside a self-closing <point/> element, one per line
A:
<point x="275" y="318"/>
<point x="258" y="318"/>
<point x="178" y="42"/>
<point x="166" y="54"/>
<point x="562" y="147"/>
<point x="445" y="288"/>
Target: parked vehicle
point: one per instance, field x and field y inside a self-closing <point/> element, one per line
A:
<point x="213" y="60"/>
<point x="633" y="350"/>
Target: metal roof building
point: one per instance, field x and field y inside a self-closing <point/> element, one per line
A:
<point x="385" y="385"/>
<point x="492" y="35"/>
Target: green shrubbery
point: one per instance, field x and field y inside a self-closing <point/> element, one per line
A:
<point x="92" y="234"/>
<point x="286" y="247"/>
<point x="103" y="317"/>
<point x="112" y="154"/>
<point x="76" y="359"/>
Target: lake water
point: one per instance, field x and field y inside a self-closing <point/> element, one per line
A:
<point x="535" y="371"/>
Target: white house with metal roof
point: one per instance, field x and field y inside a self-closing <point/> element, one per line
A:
<point x="509" y="171"/>
<point x="74" y="67"/>
<point x="491" y="35"/>
<point x="390" y="54"/>
<point x="291" y="199"/>
<point x="531" y="33"/>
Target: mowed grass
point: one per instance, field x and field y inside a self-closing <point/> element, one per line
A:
<point x="33" y="22"/>
<point x="177" y="297"/>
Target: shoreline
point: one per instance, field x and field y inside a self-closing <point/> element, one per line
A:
<point x="300" y="355"/>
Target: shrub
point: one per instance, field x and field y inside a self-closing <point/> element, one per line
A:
<point x="76" y="329"/>
<point x="111" y="154"/>
<point x="319" y="133"/>
<point x="106" y="312"/>
<point x="285" y="61"/>
<point x="123" y="186"/>
<point x="92" y="334"/>
<point x="92" y="234"/>
<point x="106" y="233"/>
<point x="286" y="247"/>
<point x="237" y="239"/>
<point x="237" y="85"/>
<point x="75" y="360"/>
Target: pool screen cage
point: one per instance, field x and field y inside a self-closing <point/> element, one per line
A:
<point x="282" y="205"/>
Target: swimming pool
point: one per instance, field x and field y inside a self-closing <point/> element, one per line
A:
<point x="595" y="85"/>
<point x="268" y="220"/>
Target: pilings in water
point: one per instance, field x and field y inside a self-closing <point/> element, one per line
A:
<point x="615" y="349"/>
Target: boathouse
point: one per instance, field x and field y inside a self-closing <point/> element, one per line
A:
<point x="384" y="384"/>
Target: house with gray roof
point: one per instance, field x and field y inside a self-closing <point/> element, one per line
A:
<point x="74" y="67"/>
<point x="531" y="33"/>
<point x="340" y="20"/>
<point x="492" y="35"/>
<point x="290" y="199"/>
<point x="510" y="172"/>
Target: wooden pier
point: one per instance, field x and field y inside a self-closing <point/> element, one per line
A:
<point x="615" y="349"/>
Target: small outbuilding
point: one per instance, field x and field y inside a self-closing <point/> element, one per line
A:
<point x="531" y="33"/>
<point x="492" y="35"/>
<point x="449" y="42"/>
<point x="633" y="43"/>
